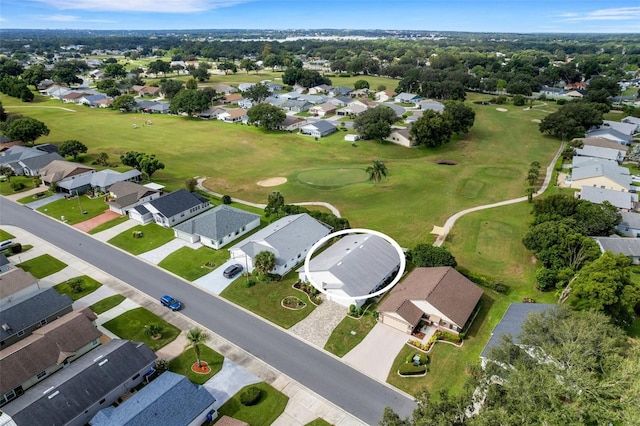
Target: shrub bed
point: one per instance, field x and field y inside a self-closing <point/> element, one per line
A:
<point x="250" y="396"/>
<point x="412" y="370"/>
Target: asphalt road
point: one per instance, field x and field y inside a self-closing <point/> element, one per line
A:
<point x="349" y="389"/>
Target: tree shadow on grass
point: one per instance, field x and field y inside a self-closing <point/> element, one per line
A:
<point x="487" y="302"/>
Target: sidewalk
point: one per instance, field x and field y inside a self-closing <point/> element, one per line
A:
<point x="303" y="406"/>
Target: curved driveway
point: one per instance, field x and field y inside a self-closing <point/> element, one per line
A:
<point x="349" y="389"/>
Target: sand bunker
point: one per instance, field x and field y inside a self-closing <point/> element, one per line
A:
<point x="535" y="120"/>
<point x="274" y="181"/>
<point x="502" y="109"/>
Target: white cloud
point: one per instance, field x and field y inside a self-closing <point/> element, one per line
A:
<point x="617" y="14"/>
<point x="157" y="6"/>
<point x="68" y="18"/>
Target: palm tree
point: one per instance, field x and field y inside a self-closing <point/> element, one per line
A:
<point x="264" y="262"/>
<point x="377" y="171"/>
<point x="196" y="336"/>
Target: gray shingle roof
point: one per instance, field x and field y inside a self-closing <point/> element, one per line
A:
<point x="27" y="312"/>
<point x="632" y="220"/>
<point x="218" y="222"/>
<point x="177" y="202"/>
<point x="170" y="399"/>
<point x="83" y="383"/>
<point x="359" y="261"/>
<point x="511" y="323"/>
<point x="285" y="237"/>
<point x="619" y="199"/>
<point x="620" y="245"/>
<point x="599" y="152"/>
<point x="322" y="126"/>
<point x="605" y="169"/>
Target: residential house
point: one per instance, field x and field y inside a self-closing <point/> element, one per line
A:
<point x="46" y="351"/>
<point x="634" y="121"/>
<point x="313" y="99"/>
<point x="158" y="108"/>
<point x="15" y="284"/>
<point x="291" y="123"/>
<point x="353" y="267"/>
<point x="145" y="90"/>
<point x="236" y="115"/>
<point x="511" y="325"/>
<point x="91" y="100"/>
<point x="275" y="87"/>
<point x="275" y="101"/>
<point x="231" y="98"/>
<point x="246" y="103"/>
<point x="19" y="318"/>
<point x="170" y="209"/>
<point x="441" y="297"/>
<point x="625" y="201"/>
<point x="354" y="108"/>
<point x="74" y="395"/>
<point x="396" y="108"/>
<point x="289" y="239"/>
<point x="340" y="91"/>
<point x="44" y="85"/>
<point x="100" y="181"/>
<point x="171" y="399"/>
<point x="624" y="128"/>
<point x="340" y="101"/>
<point x="290" y="95"/>
<point x="27" y="161"/>
<point x="104" y="103"/>
<point x="604" y="143"/>
<point x="318" y="129"/>
<point x="243" y="87"/>
<point x="59" y="170"/>
<point x="125" y="195"/>
<point x="360" y="93"/>
<point x="431" y="105"/>
<point x="578" y="94"/>
<point x="630" y="225"/>
<point x="552" y="91"/>
<point x="600" y="173"/>
<point x="217" y="227"/>
<point x="407" y="98"/>
<point x="415" y="116"/>
<point x="616" y="155"/>
<point x="575" y="86"/>
<point x="56" y="91"/>
<point x="225" y="89"/>
<point x="295" y="105"/>
<point x="385" y="95"/>
<point x="72" y="97"/>
<point x="323" y="88"/>
<point x="610" y="134"/>
<point x="401" y="136"/>
<point x="630" y="247"/>
<point x="212" y="113"/>
<point x="322" y="110"/>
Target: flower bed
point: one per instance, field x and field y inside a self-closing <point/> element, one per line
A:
<point x="439" y="336"/>
<point x="311" y="292"/>
<point x="292" y="302"/>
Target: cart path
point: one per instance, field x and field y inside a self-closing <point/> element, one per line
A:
<point x="448" y="225"/>
<point x="332" y="208"/>
<point x="40" y="106"/>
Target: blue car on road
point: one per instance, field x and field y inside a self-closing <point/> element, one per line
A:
<point x="170" y="302"/>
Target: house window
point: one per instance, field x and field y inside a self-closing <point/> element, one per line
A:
<point x="136" y="376"/>
<point x="102" y="401"/>
<point x="41" y="374"/>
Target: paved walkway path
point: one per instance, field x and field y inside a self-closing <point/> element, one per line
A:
<point x="448" y="225"/>
<point x="108" y="234"/>
<point x="102" y="292"/>
<point x="19" y="195"/>
<point x="319" y="324"/>
<point x="88" y="225"/>
<point x="39" y="106"/>
<point x="332" y="208"/>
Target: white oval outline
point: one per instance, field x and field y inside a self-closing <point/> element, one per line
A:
<point x="403" y="262"/>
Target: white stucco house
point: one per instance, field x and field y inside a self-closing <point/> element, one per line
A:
<point x="170" y="209"/>
<point x="289" y="239"/>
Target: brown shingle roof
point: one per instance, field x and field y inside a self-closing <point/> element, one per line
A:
<point x="230" y="421"/>
<point x="233" y="97"/>
<point x="604" y="143"/>
<point x="128" y="193"/>
<point x="60" y="169"/>
<point x="15" y="280"/>
<point x="47" y="346"/>
<point x="410" y="312"/>
<point x="443" y="287"/>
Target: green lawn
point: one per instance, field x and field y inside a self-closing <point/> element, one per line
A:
<point x="182" y="364"/>
<point x="342" y="340"/>
<point x="43" y="266"/>
<point x="271" y="404"/>
<point x="109" y="224"/>
<point x="73" y="209"/>
<point x="30" y="198"/>
<point x="153" y="236"/>
<point x="192" y="264"/>
<point x="4" y="235"/>
<point x="131" y="326"/>
<point x="28" y="182"/>
<point x="264" y="299"/>
<point x="318" y="422"/>
<point x="107" y="303"/>
<point x="89" y="285"/>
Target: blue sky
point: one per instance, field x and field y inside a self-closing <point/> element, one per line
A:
<point x="580" y="16"/>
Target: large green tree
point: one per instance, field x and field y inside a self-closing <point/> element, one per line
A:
<point x="115" y="70"/>
<point x="124" y="103"/>
<point x="432" y="130"/>
<point x="460" y="116"/>
<point x="257" y="93"/>
<point x="571" y="120"/>
<point x="26" y="129"/>
<point x="189" y="101"/>
<point x="35" y="74"/>
<point x="427" y="255"/>
<point x="266" y="116"/>
<point x="375" y="123"/>
<point x="146" y="163"/>
<point x="170" y="87"/>
<point x="72" y="148"/>
<point x="275" y="203"/>
<point x="605" y="285"/>
<point x="66" y="72"/>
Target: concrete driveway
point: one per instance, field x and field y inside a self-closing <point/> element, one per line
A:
<point x="228" y="381"/>
<point x="156" y="255"/>
<point x="39" y="203"/>
<point x="214" y="281"/>
<point x="375" y="354"/>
